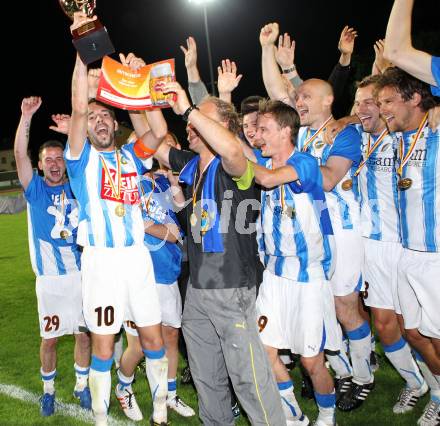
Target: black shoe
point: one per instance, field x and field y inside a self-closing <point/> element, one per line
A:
<point x="342" y="385"/>
<point x="236" y="410"/>
<point x="307" y="391"/>
<point x="355" y="396"/>
<point x="374" y="361"/>
<point x="186" y="377"/>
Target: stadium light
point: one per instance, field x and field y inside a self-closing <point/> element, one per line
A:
<point x="204" y="4"/>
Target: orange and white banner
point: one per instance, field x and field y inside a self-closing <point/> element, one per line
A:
<point x="124" y="88"/>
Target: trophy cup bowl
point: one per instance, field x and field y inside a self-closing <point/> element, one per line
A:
<point x="91" y="40"/>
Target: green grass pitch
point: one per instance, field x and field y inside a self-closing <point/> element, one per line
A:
<point x="19" y="360"/>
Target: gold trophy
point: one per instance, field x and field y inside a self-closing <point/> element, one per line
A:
<point x="91" y="40"/>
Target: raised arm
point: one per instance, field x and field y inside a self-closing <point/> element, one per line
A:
<point x="227" y="80"/>
<point x="196" y="87"/>
<point x="380" y="63"/>
<point x="398" y="44"/>
<point x="341" y="72"/>
<point x="285" y="57"/>
<point x="80" y="90"/>
<point x="218" y="137"/>
<point x="273" y="81"/>
<point x="29" y="107"/>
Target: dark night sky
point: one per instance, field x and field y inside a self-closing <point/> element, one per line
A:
<point x="40" y="59"/>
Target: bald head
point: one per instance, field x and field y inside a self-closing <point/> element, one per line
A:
<point x="319" y="86"/>
<point x="314" y="100"/>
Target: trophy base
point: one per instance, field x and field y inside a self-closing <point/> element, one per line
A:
<point x="93" y="45"/>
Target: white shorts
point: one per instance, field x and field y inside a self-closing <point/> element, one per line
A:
<point x="349" y="254"/>
<point x="296" y="315"/>
<point x="170" y="307"/>
<point x="59" y="302"/>
<point x="381" y="272"/>
<point x="118" y="286"/>
<point x="419" y="292"/>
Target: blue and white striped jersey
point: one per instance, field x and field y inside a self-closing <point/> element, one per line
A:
<point x="377" y="182"/>
<point x="294" y="231"/>
<point x="100" y="224"/>
<point x="52" y="210"/>
<point x="347" y="144"/>
<point x="435" y="68"/>
<point x="420" y="203"/>
<point x="158" y="207"/>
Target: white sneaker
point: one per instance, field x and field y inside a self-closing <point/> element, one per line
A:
<point x="177" y="404"/>
<point x="408" y="397"/>
<point x="431" y="414"/>
<point x="128" y="403"/>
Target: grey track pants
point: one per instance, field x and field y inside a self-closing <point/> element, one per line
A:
<point x="221" y="335"/>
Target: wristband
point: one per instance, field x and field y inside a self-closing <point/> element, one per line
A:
<point x="186" y="114"/>
<point x="142" y="151"/>
<point x="289" y="70"/>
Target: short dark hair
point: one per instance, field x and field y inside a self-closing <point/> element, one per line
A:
<point x="283" y="114"/>
<point x="406" y="85"/>
<point x="250" y="104"/>
<point x="111" y="109"/>
<point x="368" y="81"/>
<point x="49" y="144"/>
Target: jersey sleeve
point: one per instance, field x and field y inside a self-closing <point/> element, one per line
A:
<point x="76" y="165"/>
<point x="142" y="165"/>
<point x="435" y="69"/>
<point x="33" y="191"/>
<point x="307" y="169"/>
<point x="347" y="144"/>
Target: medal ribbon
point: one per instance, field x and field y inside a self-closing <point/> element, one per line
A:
<point x="117" y="192"/>
<point x="63" y="197"/>
<point x="404" y="158"/>
<point x="311" y="139"/>
<point x="196" y="186"/>
<point x="370" y="151"/>
<point x="147" y="203"/>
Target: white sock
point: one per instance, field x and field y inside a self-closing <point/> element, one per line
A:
<point x="172" y="388"/>
<point x="326" y="405"/>
<point x="124" y="382"/>
<point x="373" y="343"/>
<point x="399" y="354"/>
<point x="48" y="381"/>
<point x="429" y="377"/>
<point x="339" y="362"/>
<point x="100" y="383"/>
<point x="291" y="408"/>
<point x="360" y="350"/>
<point x="82" y="376"/>
<point x="156" y="368"/>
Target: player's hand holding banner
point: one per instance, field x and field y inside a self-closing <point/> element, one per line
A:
<point x="90" y="38"/>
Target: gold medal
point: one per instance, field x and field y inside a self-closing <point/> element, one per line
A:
<point x="289" y="212"/>
<point x="193" y="219"/>
<point x="347" y="184"/>
<point x="64" y="234"/>
<point x="404" y="184"/>
<point x="120" y="210"/>
<point x="319" y="144"/>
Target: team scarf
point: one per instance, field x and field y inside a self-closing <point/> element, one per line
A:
<point x="212" y="240"/>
